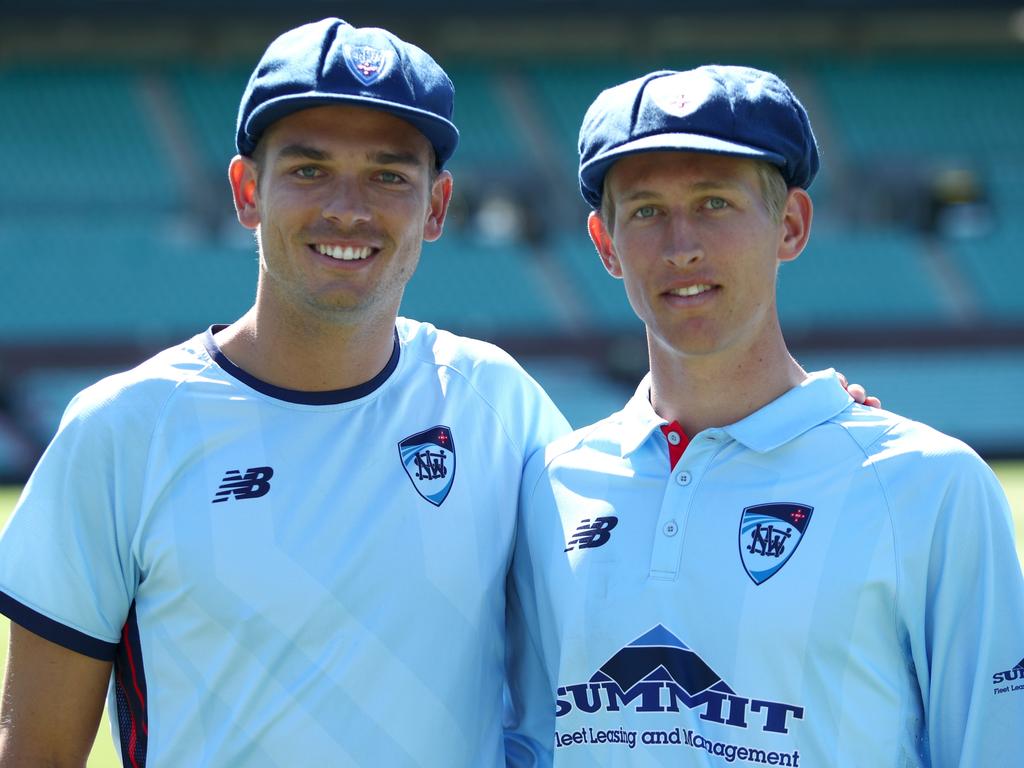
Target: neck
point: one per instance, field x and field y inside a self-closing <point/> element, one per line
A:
<point x="713" y="390"/>
<point x="308" y="356"/>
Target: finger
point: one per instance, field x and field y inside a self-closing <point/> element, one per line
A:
<point x="874" y="402"/>
<point x="857" y="392"/>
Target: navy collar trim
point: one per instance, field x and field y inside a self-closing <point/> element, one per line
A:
<point x="330" y="397"/>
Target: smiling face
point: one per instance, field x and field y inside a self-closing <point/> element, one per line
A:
<point x="698" y="249"/>
<point x="341" y="199"/>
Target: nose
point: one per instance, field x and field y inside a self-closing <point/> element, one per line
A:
<point x="683" y="246"/>
<point x="345" y="203"/>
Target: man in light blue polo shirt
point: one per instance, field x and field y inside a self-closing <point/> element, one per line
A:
<point x="742" y="566"/>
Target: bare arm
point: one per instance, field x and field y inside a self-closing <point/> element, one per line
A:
<point x="52" y="703"/>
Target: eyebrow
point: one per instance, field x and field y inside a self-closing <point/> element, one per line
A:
<point x="381" y="157"/>
<point x="303" y="151"/>
<point x="395" y="158"/>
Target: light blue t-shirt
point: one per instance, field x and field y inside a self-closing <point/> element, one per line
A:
<point x="820" y="584"/>
<point x="287" y="578"/>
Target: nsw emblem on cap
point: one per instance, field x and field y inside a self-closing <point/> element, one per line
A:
<point x="681" y="94"/>
<point x="367" y="63"/>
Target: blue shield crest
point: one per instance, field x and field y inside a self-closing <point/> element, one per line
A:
<point x="429" y="461"/>
<point x="769" y="535"/>
<point x="367" y="63"/>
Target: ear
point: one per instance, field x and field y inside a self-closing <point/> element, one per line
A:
<point x="242" y="175"/>
<point x="602" y="240"/>
<point x="440" y="197"/>
<point x="796" y="224"/>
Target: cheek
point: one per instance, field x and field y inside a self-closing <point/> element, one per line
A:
<point x="636" y="286"/>
<point x="278" y="205"/>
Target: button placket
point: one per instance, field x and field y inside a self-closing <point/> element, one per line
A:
<point x="675" y="506"/>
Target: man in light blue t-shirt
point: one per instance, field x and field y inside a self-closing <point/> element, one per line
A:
<point x="743" y="567"/>
<point x="285" y="542"/>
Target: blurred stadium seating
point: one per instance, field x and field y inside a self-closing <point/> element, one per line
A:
<point x="117" y="236"/>
<point x="487" y="289"/>
<point x="118" y="277"/>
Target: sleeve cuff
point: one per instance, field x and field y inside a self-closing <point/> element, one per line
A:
<point x="56" y="632"/>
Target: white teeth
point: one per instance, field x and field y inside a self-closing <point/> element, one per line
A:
<point x="344" y="253"/>
<point x="690" y="290"/>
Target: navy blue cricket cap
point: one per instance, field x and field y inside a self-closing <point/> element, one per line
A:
<point x="332" y="62"/>
<point x="717" y="109"/>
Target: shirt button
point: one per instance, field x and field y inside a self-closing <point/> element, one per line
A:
<point x="684" y="478"/>
<point x="673" y="438"/>
<point x="670" y="528"/>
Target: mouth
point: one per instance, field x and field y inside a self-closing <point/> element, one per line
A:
<point x="688" y="291"/>
<point x="344" y="252"/>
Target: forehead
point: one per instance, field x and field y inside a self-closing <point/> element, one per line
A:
<point x="346" y="128"/>
<point x="657" y="170"/>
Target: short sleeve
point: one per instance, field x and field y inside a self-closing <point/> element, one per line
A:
<point x="530" y="708"/>
<point x="66" y="567"/>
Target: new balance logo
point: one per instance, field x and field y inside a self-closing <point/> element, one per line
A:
<point x="253" y="484"/>
<point x="592" y="534"/>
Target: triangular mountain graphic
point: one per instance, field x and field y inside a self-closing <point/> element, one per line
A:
<point x="660" y="655"/>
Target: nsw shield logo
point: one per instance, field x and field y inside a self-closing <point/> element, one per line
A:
<point x="429" y="461"/>
<point x="769" y="535"/>
<point x="367" y="63"/>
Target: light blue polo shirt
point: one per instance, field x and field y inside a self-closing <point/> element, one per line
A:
<point x="819" y="584"/>
<point x="287" y="578"/>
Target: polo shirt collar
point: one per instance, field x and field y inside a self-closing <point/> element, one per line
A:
<point x="638" y="420"/>
<point x="815" y="400"/>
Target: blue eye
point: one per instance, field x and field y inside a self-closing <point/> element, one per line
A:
<point x="390" y="177"/>
<point x="716" y="203"/>
<point x="645" y="212"/>
<point x="308" y="172"/>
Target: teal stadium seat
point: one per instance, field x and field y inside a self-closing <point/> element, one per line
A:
<point x="602" y="297"/>
<point x="489" y="140"/>
<point x="472" y="287"/>
<point x="874" y="278"/>
<point x="209" y="97"/>
<point x="994" y="263"/>
<point x="80" y="140"/>
<point x="111" y="279"/>
<point x="927" y="105"/>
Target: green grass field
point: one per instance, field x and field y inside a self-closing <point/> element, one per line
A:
<point x="1011" y="474"/>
